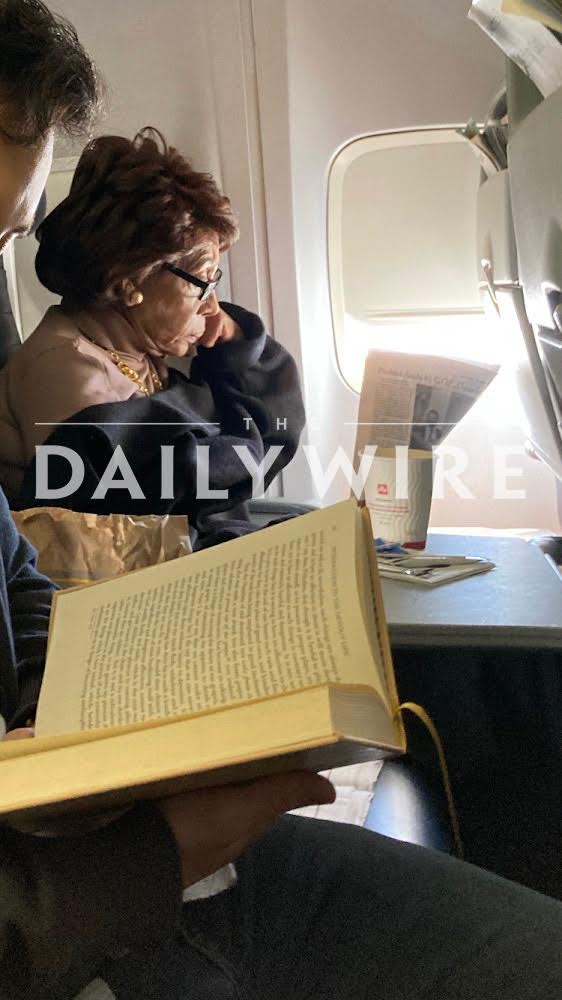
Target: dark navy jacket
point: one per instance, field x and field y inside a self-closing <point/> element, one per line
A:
<point x="244" y="393"/>
<point x="25" y="602"/>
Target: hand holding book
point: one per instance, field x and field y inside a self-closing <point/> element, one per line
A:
<point x="213" y="826"/>
<point x="249" y="665"/>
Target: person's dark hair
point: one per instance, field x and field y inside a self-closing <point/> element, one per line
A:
<point x="46" y="78"/>
<point x="133" y="206"/>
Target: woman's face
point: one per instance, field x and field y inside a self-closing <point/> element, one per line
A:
<point x="171" y="313"/>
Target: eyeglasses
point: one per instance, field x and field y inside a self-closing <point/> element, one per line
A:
<point x="207" y="287"/>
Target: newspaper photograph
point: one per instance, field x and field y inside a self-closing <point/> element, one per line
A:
<point x="416" y="400"/>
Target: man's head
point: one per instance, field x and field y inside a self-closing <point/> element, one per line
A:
<point x="47" y="83"/>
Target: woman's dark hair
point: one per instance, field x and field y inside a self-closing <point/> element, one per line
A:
<point x="133" y="206"/>
<point x="46" y="78"/>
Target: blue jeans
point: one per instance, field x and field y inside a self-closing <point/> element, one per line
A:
<point x="324" y="911"/>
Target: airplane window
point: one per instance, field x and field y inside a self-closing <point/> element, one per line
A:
<point x="402" y="250"/>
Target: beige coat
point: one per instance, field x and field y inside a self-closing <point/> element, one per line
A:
<point x="63" y="367"/>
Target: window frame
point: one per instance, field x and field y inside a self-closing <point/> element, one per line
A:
<point x="345" y="155"/>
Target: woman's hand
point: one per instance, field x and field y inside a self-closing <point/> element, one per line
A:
<point x="25" y="733"/>
<point x="219" y="328"/>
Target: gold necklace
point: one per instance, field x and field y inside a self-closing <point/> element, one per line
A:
<point x="134" y="376"/>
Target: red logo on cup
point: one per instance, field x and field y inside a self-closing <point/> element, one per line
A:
<point x="382" y="489"/>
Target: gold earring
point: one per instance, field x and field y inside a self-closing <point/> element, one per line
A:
<point x="137" y="298"/>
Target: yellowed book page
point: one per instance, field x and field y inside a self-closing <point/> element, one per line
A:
<point x="275" y="611"/>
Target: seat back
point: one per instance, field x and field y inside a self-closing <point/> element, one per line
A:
<point x="9" y="337"/>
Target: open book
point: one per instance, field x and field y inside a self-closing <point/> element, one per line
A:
<point x="266" y="653"/>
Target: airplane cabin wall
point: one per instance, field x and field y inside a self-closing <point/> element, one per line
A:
<point x="154" y="58"/>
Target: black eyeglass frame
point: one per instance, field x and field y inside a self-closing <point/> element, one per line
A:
<point x="207" y="287"/>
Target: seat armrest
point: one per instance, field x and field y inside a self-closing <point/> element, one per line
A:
<point x="410" y="805"/>
<point x="551" y="545"/>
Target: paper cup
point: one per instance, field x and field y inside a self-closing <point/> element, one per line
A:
<point x="398" y="493"/>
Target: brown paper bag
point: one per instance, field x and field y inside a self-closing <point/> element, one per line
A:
<point x="75" y="549"/>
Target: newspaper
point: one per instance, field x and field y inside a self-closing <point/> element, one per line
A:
<point x="415" y="400"/>
<point x="532" y="46"/>
<point x="548" y="12"/>
<point x="430" y="570"/>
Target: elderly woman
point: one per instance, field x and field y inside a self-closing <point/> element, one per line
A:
<point x="134" y="251"/>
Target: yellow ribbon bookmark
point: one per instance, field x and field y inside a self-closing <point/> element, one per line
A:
<point x="422" y="715"/>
